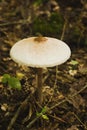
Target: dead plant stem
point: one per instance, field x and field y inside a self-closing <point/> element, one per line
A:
<point x="15" y="22"/>
<point x="62" y="37"/>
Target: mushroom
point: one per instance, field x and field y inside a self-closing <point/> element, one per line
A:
<point x="40" y="52"/>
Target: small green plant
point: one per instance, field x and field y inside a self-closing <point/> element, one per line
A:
<point x="13" y="82"/>
<point x="42" y="114"/>
<point x="74" y="62"/>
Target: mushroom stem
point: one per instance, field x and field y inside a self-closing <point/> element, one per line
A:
<point x="39" y="85"/>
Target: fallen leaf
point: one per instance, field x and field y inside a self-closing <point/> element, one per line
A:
<point x="4" y="107"/>
<point x="73" y="127"/>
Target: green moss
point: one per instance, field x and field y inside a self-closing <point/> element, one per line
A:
<point x="39" y="2"/>
<point x="76" y="32"/>
<point x="49" y="27"/>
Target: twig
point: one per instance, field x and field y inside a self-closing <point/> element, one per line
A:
<point x="14" y="119"/>
<point x="57" y="118"/>
<point x="64" y="29"/>
<point x="15" y="22"/>
<point x="17" y="113"/>
<point x="62" y="37"/>
<point x="32" y="122"/>
<point x="80" y="120"/>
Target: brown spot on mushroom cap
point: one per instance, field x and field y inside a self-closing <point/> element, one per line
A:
<point x="40" y="39"/>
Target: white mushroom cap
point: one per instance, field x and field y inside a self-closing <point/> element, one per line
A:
<point x="40" y="52"/>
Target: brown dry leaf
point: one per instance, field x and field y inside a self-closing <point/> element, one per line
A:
<point x="61" y="96"/>
<point x="48" y="90"/>
<point x="83" y="68"/>
<point x="72" y="72"/>
<point x="74" y="127"/>
<point x="1" y="86"/>
<point x="4" y="107"/>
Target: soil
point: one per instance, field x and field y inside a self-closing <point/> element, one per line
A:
<point x="64" y="88"/>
